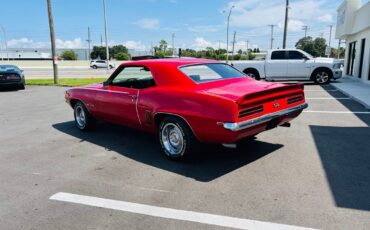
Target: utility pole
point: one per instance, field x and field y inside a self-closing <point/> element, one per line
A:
<point x="89" y="41"/>
<point x="173" y="44"/>
<point x="101" y="40"/>
<point x="52" y="39"/>
<point x="331" y="28"/>
<point x="247" y="49"/>
<point x="227" y="34"/>
<point x="106" y="34"/>
<point x="305" y="28"/>
<point x="5" y="43"/>
<point x="233" y="45"/>
<point x="272" y="35"/>
<point x="286" y="23"/>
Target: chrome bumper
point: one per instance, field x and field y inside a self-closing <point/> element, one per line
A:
<point x="263" y="119"/>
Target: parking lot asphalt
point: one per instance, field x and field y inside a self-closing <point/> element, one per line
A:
<point x="315" y="174"/>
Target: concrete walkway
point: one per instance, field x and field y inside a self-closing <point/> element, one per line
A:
<point x="355" y="89"/>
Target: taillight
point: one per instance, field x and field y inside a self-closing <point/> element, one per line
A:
<point x="12" y="77"/>
<point x="292" y="100"/>
<point x="251" y="111"/>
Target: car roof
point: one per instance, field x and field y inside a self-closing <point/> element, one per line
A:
<point x="171" y="61"/>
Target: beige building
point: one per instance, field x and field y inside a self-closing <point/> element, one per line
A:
<point x="353" y="26"/>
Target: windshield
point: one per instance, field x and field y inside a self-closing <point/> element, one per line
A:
<point x="307" y="54"/>
<point x="210" y="72"/>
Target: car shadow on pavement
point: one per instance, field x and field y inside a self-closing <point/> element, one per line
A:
<point x="345" y="156"/>
<point x="209" y="163"/>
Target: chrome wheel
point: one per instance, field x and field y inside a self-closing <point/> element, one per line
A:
<point x="251" y="75"/>
<point x="80" y="116"/>
<point x="322" y="77"/>
<point x="172" y="139"/>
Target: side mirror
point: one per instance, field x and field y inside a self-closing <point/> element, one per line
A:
<point x="105" y="84"/>
<point x="305" y="58"/>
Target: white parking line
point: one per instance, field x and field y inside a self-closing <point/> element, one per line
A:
<point x="339" y="112"/>
<point x="320" y="90"/>
<point x="328" y="98"/>
<point x="170" y="213"/>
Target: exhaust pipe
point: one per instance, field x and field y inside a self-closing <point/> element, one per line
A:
<point x="230" y="146"/>
<point x="287" y="125"/>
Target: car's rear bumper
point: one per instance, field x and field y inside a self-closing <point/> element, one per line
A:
<point x="263" y="119"/>
<point x="11" y="83"/>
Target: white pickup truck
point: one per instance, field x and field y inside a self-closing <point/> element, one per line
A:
<point x="291" y="64"/>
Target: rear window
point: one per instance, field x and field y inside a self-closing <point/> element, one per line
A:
<point x="210" y="72"/>
<point x="278" y="55"/>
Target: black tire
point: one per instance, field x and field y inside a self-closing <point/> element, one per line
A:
<point x="94" y="67"/>
<point x="22" y="87"/>
<point x="180" y="128"/>
<point x="111" y="67"/>
<point x="252" y="73"/>
<point x="322" y="76"/>
<point x="88" y="123"/>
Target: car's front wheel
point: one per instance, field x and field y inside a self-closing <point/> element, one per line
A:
<point x="322" y="76"/>
<point x="83" y="119"/>
<point x="177" y="140"/>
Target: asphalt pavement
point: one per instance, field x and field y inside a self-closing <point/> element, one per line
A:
<point x="315" y="174"/>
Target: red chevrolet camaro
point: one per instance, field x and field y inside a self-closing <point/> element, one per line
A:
<point x="186" y="101"/>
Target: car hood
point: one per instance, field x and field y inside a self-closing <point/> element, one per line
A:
<point x="326" y="60"/>
<point x="238" y="89"/>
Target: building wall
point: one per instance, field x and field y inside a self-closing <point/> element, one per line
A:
<point x="366" y="61"/>
<point x="353" y="24"/>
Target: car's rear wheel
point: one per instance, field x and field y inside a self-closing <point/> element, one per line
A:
<point x="321" y="76"/>
<point x="22" y="86"/>
<point x="94" y="67"/>
<point x="83" y="119"/>
<point x="252" y="74"/>
<point x="177" y="140"/>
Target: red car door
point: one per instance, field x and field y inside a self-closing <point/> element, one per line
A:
<point x="118" y="104"/>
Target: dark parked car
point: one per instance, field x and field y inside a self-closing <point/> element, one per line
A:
<point x="11" y="76"/>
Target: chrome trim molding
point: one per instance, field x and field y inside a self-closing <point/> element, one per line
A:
<point x="262" y="119"/>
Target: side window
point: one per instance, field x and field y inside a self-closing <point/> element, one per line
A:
<point x="278" y="55"/>
<point x="295" y="55"/>
<point x="137" y="77"/>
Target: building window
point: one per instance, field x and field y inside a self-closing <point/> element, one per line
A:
<point x="351" y="58"/>
<point x="361" y="58"/>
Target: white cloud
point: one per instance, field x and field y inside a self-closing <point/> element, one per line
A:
<point x="148" y="23"/>
<point x="200" y="44"/>
<point x="135" y="45"/>
<point x="326" y="18"/>
<point x="61" y="44"/>
<point x="293" y="25"/>
<point x="69" y="44"/>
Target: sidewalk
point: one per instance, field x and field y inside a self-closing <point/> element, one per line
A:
<point x="354" y="89"/>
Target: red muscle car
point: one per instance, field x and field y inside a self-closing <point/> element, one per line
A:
<point x="187" y="101"/>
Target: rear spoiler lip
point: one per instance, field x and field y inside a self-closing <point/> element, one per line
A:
<point x="295" y="86"/>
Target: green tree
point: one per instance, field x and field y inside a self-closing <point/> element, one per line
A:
<point x="163" y="45"/>
<point x="314" y="47"/>
<point x="122" y="56"/>
<point x="68" y="55"/>
<point x="98" y="52"/>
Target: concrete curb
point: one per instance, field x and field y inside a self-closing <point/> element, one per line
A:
<point x="359" y="100"/>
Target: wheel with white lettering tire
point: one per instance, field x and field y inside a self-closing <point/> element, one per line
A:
<point x="322" y="76"/>
<point x="177" y="139"/>
<point x="83" y="119"/>
<point x="252" y="73"/>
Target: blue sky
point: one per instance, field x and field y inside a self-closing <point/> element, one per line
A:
<point x="138" y="23"/>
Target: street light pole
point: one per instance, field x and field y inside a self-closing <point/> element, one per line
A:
<point x="106" y="34"/>
<point x="227" y="34"/>
<point x="286" y="23"/>
<point x="173" y="44"/>
<point x="52" y="39"/>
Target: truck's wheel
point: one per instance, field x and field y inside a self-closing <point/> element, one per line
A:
<point x="83" y="119"/>
<point x="252" y="74"/>
<point x="321" y="76"/>
<point x="176" y="138"/>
